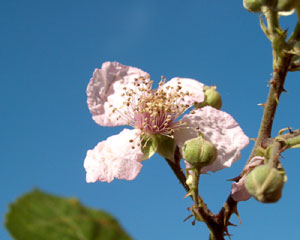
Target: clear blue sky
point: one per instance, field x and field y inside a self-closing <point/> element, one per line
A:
<point x="48" y="51"/>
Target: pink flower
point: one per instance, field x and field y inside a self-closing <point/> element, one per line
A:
<point x="238" y="189"/>
<point x="123" y="95"/>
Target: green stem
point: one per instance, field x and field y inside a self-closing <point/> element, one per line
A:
<point x="293" y="142"/>
<point x="272" y="20"/>
<point x="295" y="35"/>
<point x="274" y="159"/>
<point x="195" y="193"/>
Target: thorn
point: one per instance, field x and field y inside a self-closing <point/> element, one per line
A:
<point x="261" y="104"/>
<point x="191" y="208"/>
<point x="188" y="217"/>
<point x="235" y="210"/>
<point x="194" y="222"/>
<point x="253" y="139"/>
<point x="189" y="193"/>
<point x="284" y="90"/>
<point x="231" y="224"/>
<point x="281" y="131"/>
<point x="227" y="233"/>
<point x="290" y="130"/>
<point x="235" y="179"/>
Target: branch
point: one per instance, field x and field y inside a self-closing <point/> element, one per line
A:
<point x="213" y="222"/>
<point x="281" y="65"/>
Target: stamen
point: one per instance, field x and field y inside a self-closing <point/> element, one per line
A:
<point x="152" y="111"/>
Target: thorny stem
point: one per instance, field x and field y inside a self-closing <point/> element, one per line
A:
<point x="281" y="64"/>
<point x="276" y="88"/>
<point x="218" y="223"/>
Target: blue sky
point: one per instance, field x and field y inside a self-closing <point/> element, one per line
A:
<point x="49" y="50"/>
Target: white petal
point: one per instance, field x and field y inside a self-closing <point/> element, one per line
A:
<point x="105" y="89"/>
<point x="119" y="156"/>
<point x="219" y="128"/>
<point x="193" y="87"/>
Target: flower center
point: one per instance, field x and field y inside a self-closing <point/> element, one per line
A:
<point x="153" y="111"/>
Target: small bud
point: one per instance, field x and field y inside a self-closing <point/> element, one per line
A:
<point x="212" y="98"/>
<point x="252" y="5"/>
<point x="199" y="152"/>
<point x="265" y="184"/>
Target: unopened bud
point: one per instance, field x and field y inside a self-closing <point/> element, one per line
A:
<point x="212" y="98"/>
<point x="265" y="184"/>
<point x="252" y="5"/>
<point x="199" y="152"/>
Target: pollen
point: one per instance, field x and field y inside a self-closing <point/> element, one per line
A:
<point x="152" y="111"/>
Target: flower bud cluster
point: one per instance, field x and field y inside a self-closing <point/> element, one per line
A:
<point x="275" y="5"/>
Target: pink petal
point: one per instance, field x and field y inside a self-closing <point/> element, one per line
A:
<point x="193" y="87"/>
<point x="219" y="128"/>
<point x="258" y="160"/>
<point x="117" y="157"/>
<point x="105" y="89"/>
<point x="238" y="189"/>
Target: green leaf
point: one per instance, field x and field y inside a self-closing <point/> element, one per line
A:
<point x="41" y="216"/>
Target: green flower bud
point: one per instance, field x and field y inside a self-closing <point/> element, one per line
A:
<point x="252" y="5"/>
<point x="265" y="184"/>
<point x="212" y="98"/>
<point x="199" y="152"/>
